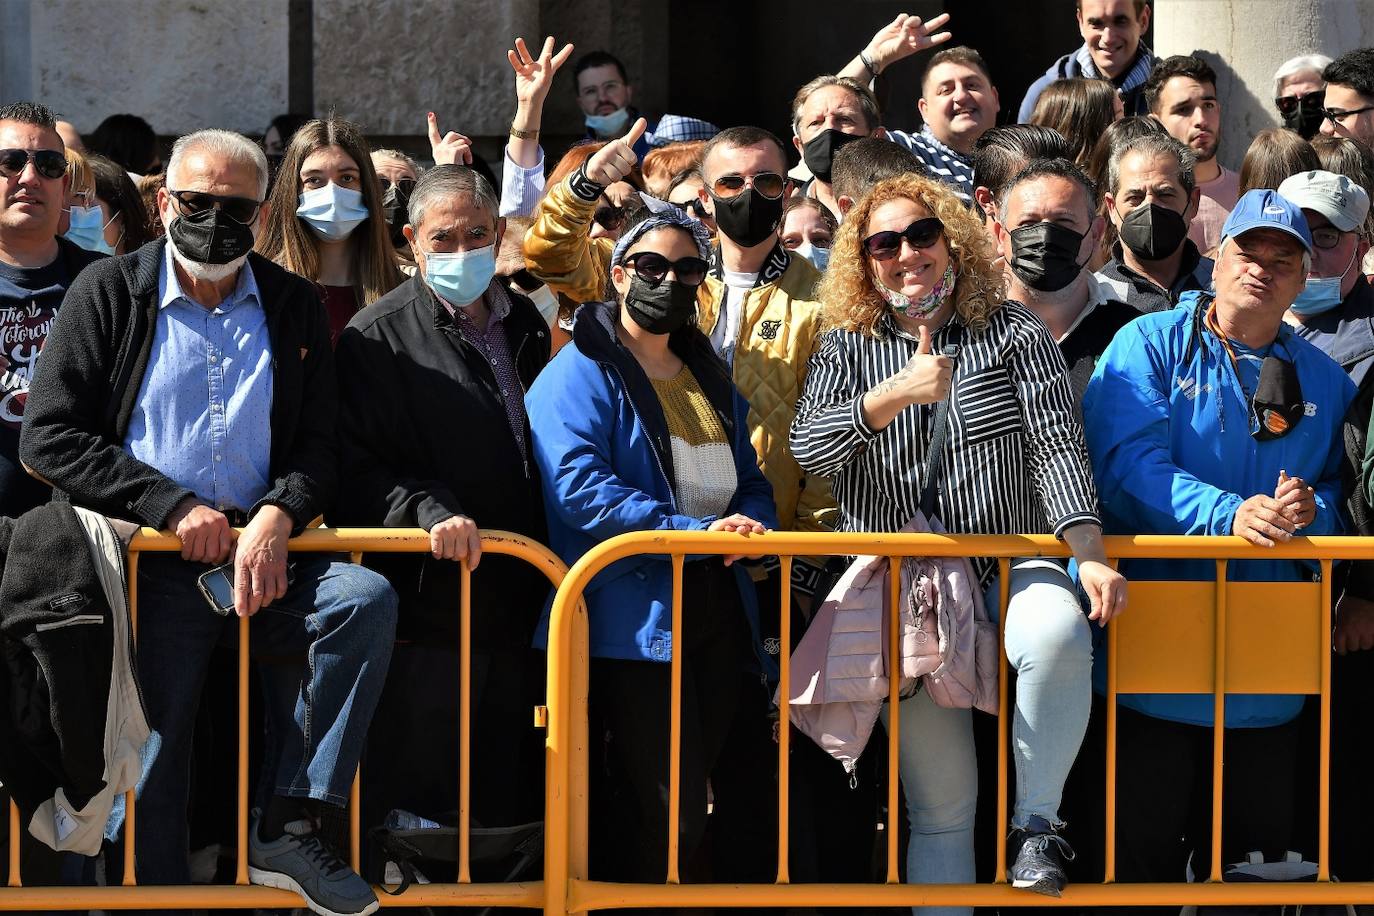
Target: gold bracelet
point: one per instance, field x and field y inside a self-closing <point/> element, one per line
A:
<point x="519" y="134"/>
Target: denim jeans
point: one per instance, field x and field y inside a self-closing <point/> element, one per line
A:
<point x="341" y="620"/>
<point x="1049" y="645"/>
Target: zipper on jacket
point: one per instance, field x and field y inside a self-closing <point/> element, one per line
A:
<point x="658" y="459"/>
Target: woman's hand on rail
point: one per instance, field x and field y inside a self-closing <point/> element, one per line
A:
<point x="742" y="525"/>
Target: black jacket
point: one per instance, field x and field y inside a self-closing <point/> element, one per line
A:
<point x="424" y="436"/>
<point x="93" y="365"/>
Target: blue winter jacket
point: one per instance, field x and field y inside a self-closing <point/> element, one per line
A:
<point x="1168" y="429"/>
<point x="601" y="442"/>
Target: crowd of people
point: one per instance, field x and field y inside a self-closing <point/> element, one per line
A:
<point x="1078" y="323"/>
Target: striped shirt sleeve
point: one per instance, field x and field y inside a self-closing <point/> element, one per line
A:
<point x="828" y="430"/>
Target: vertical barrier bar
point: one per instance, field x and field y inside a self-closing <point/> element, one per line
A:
<point x="1003" y="702"/>
<point x="894" y="711"/>
<point x="580" y="742"/>
<point x="675" y="728"/>
<point x="14" y="879"/>
<point x="241" y="806"/>
<point x="130" y="879"/>
<point x="1110" y="840"/>
<point x="465" y="727"/>
<point x="1324" y="773"/>
<point x="784" y="718"/>
<point x="355" y="801"/>
<point x="1219" y="718"/>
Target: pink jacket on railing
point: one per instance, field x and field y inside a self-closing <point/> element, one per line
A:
<point x="840" y="669"/>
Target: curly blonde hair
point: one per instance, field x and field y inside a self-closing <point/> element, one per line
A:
<point x="848" y="291"/>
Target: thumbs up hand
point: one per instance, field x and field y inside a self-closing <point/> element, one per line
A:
<point x="926" y="377"/>
<point x="617" y="158"/>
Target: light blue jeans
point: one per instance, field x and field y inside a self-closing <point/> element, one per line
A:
<point x="1049" y="644"/>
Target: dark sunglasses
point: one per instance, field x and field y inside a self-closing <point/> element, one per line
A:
<point x="1335" y="115"/>
<point x="690" y="207"/>
<point x="610" y="217"/>
<point x="239" y="209"/>
<point x="48" y="163"/>
<point x="883" y="246"/>
<point x="404" y="185"/>
<point x="652" y="267"/>
<point x="769" y="184"/>
<point x="1291" y="103"/>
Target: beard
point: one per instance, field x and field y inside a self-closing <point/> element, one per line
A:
<point x="206" y="273"/>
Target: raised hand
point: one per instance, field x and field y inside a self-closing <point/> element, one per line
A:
<point x="903" y="37"/>
<point x="534" y="76"/>
<point x="616" y="159"/>
<point x="451" y="148"/>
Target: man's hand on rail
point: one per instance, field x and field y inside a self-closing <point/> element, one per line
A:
<point x="740" y="524"/>
<point x="260" y="561"/>
<point x="458" y="539"/>
<point x="205" y="533"/>
<point x="1297" y="501"/>
<point x="1262" y="522"/>
<point x="1354" y="625"/>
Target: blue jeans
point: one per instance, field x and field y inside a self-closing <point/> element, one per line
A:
<point x="1049" y="644"/>
<point x="341" y="618"/>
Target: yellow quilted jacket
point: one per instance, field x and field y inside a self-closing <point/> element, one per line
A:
<point x="780" y="328"/>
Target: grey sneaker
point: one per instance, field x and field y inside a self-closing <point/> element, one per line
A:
<point x="299" y="861"/>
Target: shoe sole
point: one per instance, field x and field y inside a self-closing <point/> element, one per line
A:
<point x="1046" y="886"/>
<point x="287" y="883"/>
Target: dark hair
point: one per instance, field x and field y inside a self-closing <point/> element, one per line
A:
<point x="1138" y="4"/>
<point x="1194" y="68"/>
<point x="128" y="140"/>
<point x="1354" y="69"/>
<point x="736" y="137"/>
<point x="802" y="202"/>
<point x="1274" y="154"/>
<point x="1152" y="143"/>
<point x="287" y="125"/>
<point x="1080" y="109"/>
<point x="598" y="59"/>
<point x="148" y="186"/>
<point x="1352" y="159"/>
<point x="1116" y="136"/>
<point x="1003" y="151"/>
<point x="682" y="178"/>
<point x="29" y="113"/>
<point x="861" y="164"/>
<point x="1056" y="168"/>
<point x="963" y="54"/>
<point x="114" y="186"/>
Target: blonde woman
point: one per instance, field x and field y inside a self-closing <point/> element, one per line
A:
<point x="910" y="275"/>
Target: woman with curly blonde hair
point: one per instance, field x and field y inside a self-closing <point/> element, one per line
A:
<point x="919" y="315"/>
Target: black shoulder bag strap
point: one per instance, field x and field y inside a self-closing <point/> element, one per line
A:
<point x="940" y="429"/>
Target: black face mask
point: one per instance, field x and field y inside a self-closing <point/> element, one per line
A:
<point x="1153" y="232"/>
<point x="210" y="237"/>
<point x="395" y="206"/>
<point x="1045" y="256"/>
<point x="748" y="218"/>
<point x="661" y="309"/>
<point x="1277" y="406"/>
<point x="819" y="152"/>
<point x="1305" y="122"/>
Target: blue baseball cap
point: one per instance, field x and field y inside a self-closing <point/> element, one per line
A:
<point x="1265" y="208"/>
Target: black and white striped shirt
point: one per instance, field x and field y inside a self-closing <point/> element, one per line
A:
<point x="945" y="164"/>
<point x="1016" y="461"/>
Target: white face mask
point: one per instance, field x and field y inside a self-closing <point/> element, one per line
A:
<point x="546" y="300"/>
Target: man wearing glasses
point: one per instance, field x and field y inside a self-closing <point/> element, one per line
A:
<point x="189" y="385"/>
<point x="1350" y="97"/>
<point x="605" y="95"/>
<point x="36" y="267"/>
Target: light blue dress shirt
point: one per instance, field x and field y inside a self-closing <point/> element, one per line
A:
<point x="203" y="412"/>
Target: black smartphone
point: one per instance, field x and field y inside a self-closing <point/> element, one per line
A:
<point x="217" y="585"/>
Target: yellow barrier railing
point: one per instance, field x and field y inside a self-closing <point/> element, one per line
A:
<point x="1177" y="637"/>
<point x="354" y="542"/>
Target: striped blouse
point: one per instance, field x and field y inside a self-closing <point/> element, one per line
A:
<point x="1016" y="460"/>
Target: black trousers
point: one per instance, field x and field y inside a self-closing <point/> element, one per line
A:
<point x="630" y="714"/>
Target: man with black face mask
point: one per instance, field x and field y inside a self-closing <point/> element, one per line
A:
<point x="828" y="113"/>
<point x="1046" y="230"/>
<point x="1152" y="197"/>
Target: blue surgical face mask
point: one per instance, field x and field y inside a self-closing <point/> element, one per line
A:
<point x="460" y="277"/>
<point x="1321" y="294"/>
<point x="608" y="126"/>
<point x="819" y="257"/>
<point x="333" y="212"/>
<point x="88" y="229"/>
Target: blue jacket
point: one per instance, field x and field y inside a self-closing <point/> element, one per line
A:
<point x="1168" y="429"/>
<point x="1068" y="67"/>
<point x="601" y="442"/>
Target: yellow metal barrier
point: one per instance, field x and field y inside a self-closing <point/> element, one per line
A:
<point x="1177" y="637"/>
<point x="352" y="541"/>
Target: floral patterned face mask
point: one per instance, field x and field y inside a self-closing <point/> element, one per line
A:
<point x="926" y="305"/>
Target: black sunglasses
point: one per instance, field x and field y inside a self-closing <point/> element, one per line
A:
<point x="239" y="209"/>
<point x="691" y="206"/>
<point x="652" y="267"/>
<point x="1290" y="103"/>
<point x="769" y="184"/>
<point x="404" y="185"/>
<point x="1335" y="115"/>
<point x="883" y="246"/>
<point x="48" y="163"/>
<point x="610" y="217"/>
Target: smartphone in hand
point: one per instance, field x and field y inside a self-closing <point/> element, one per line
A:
<point x="217" y="585"/>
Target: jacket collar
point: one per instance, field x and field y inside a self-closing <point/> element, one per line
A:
<point x="141" y="270"/>
<point x="774" y="266"/>
<point x="1351" y="327"/>
<point x="1186" y="279"/>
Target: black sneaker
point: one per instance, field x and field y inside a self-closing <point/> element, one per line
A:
<point x="1039" y="865"/>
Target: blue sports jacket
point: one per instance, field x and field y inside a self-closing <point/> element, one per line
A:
<point x="1168" y="429"/>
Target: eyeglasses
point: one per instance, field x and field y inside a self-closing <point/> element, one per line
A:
<point x="883" y="246"/>
<point x="1327" y="237"/>
<point x="691" y="206"/>
<point x="1336" y="115"/>
<point x="1290" y="103"/>
<point x="610" y="217"/>
<point x="404" y="185"/>
<point x="48" y="163"/>
<point x="239" y="209"/>
<point x="652" y="267"/>
<point x="769" y="184"/>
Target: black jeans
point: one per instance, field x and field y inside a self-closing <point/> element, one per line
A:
<point x="630" y="714"/>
